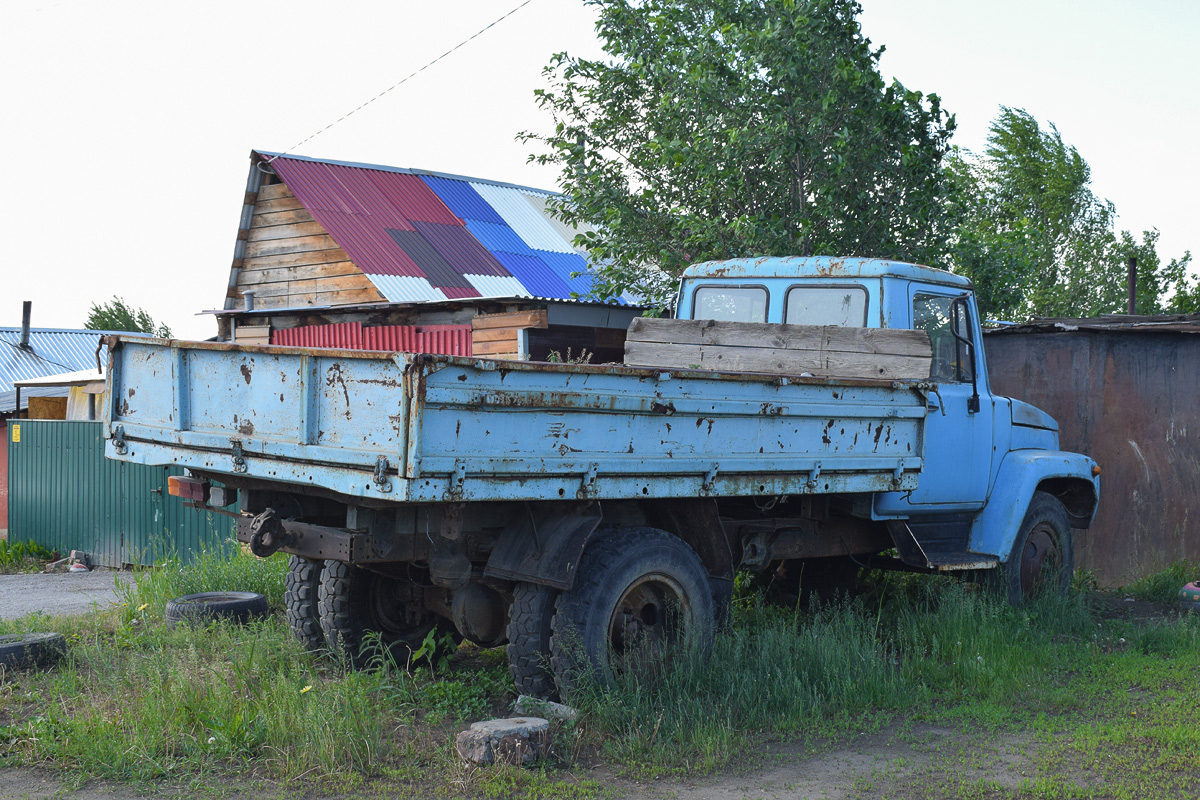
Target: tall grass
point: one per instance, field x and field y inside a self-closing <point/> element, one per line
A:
<point x="222" y="569"/>
<point x="1163" y="587"/>
<point x="780" y="672"/>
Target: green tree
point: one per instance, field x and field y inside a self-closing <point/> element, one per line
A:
<point x="117" y="315"/>
<point x="727" y="128"/>
<point x="1035" y="239"/>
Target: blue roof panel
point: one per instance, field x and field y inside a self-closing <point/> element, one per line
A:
<point x="461" y="198"/>
<point x="499" y="238"/>
<point x="535" y="275"/>
<point x="564" y="264"/>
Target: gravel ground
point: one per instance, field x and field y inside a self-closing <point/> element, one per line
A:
<point x="58" y="594"/>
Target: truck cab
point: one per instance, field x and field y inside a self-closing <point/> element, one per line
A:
<point x="985" y="456"/>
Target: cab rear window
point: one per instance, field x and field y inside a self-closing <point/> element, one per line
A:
<point x="826" y="305"/>
<point x="730" y="303"/>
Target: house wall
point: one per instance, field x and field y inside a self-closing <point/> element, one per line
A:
<point x="291" y="261"/>
<point x="1127" y="400"/>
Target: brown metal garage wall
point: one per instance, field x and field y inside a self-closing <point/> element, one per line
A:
<point x="1131" y="400"/>
<point x="65" y="495"/>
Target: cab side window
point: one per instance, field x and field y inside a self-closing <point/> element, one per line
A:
<point x="938" y="317"/>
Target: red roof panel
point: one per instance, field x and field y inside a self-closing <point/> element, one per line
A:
<point x="409" y="195"/>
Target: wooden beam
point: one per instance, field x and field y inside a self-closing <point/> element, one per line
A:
<point x="282" y="204"/>
<point x="263" y="219"/>
<point x="492" y="348"/>
<point x="826" y="351"/>
<point x="495" y="335"/>
<point x="292" y="231"/>
<point x="301" y="259"/>
<point x="255" y="277"/>
<point x="886" y="341"/>
<point x="274" y="247"/>
<point x="535" y="318"/>
<point x="274" y="191"/>
<point x="337" y="298"/>
<point x="776" y="362"/>
<point x="313" y="285"/>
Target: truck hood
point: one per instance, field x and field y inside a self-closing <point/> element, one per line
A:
<point x="1032" y="417"/>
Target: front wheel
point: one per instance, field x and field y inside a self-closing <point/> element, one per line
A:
<point x="1043" y="558"/>
<point x="639" y="594"/>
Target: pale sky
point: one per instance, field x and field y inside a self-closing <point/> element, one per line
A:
<point x="128" y="123"/>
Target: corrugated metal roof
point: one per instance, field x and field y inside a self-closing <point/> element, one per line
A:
<point x="52" y="351"/>
<point x="535" y="274"/>
<point x="462" y="199"/>
<point x="1109" y="323"/>
<point x="417" y="235"/>
<point x="492" y="286"/>
<point x="517" y="212"/>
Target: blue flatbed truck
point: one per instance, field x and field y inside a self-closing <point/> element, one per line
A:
<point x="578" y="512"/>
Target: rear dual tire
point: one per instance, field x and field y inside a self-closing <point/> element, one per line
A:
<point x="641" y="596"/>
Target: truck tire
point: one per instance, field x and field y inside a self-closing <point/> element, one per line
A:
<point x="1043" y="557"/>
<point x="638" y="593"/>
<point x="301" y="587"/>
<point x="366" y="618"/>
<point x="204" y="607"/>
<point x="23" y="650"/>
<point x="529" y="630"/>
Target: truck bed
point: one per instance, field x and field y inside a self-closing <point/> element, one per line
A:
<point x="420" y="428"/>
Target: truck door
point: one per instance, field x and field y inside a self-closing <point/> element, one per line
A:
<point x="958" y="433"/>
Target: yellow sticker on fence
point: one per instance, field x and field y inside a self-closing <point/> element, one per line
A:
<point x="16" y="433"/>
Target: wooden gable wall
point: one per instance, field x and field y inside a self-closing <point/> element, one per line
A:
<point x="290" y="261"/>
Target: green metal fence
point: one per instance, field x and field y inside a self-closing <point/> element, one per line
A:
<point x="65" y="495"/>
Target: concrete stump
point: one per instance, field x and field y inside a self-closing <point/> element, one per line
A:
<point x="519" y="740"/>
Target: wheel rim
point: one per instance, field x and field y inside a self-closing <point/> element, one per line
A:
<point x="1041" y="561"/>
<point x="650" y="615"/>
<point x="388" y="604"/>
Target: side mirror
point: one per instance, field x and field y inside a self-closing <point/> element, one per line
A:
<point x="960" y="311"/>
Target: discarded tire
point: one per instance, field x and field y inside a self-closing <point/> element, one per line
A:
<point x="238" y="606"/>
<point x="24" y="650"/>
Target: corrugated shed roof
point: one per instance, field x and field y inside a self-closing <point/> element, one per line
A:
<point x="1109" y="323"/>
<point x="52" y="351"/>
<point x="424" y="237"/>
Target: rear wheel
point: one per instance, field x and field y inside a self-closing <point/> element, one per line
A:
<point x="368" y="618"/>
<point x="302" y="586"/>
<point x="639" y="595"/>
<point x="1043" y="558"/>
<point x="529" y="630"/>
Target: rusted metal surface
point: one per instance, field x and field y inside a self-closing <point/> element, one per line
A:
<point x="1124" y="392"/>
<point x="433" y="428"/>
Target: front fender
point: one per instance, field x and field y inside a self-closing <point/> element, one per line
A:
<point x="1021" y="474"/>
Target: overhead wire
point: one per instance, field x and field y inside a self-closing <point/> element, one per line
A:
<point x="463" y="43"/>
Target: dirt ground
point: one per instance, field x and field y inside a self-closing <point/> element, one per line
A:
<point x="874" y="766"/>
<point x="58" y="595"/>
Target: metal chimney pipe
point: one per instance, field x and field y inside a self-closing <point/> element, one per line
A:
<point x="26" y="313"/>
<point x="1133" y="284"/>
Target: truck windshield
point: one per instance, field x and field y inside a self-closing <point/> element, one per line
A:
<point x="826" y="305"/>
<point x="730" y="303"/>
